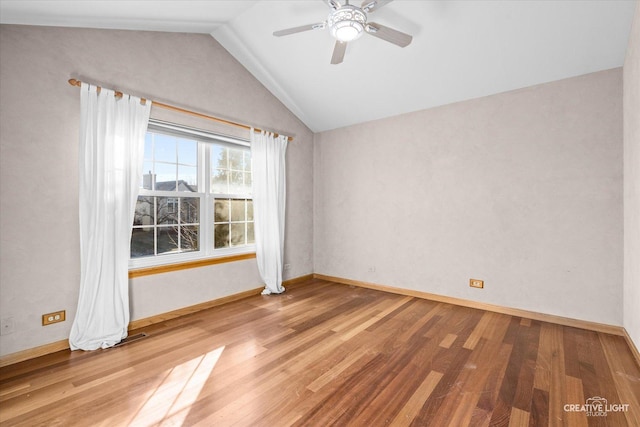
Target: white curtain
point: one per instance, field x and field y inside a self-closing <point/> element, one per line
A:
<point x="269" y="197"/>
<point x="112" y="132"/>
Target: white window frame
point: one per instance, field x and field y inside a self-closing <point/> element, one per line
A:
<point x="206" y="218"/>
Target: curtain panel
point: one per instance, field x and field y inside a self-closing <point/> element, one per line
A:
<point x="269" y="199"/>
<point x="112" y="132"/>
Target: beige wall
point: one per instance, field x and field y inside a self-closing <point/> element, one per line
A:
<point x="521" y="189"/>
<point x="632" y="183"/>
<point x="39" y="121"/>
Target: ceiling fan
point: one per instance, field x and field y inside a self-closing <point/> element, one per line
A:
<point x="347" y="23"/>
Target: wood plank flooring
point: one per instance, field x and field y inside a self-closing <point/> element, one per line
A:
<point x="326" y="354"/>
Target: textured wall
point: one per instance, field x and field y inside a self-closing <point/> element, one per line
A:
<point x="522" y="189"/>
<point x="39" y="118"/>
<point x="632" y="183"/>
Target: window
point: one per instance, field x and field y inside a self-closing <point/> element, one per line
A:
<point x="231" y="186"/>
<point x="195" y="197"/>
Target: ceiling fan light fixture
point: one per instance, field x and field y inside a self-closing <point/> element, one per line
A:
<point x="347" y="23"/>
<point x="346" y="31"/>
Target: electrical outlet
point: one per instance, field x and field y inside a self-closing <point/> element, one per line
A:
<point x="55" y="317"/>
<point x="476" y="283"/>
<point x="372" y="269"/>
<point x="7" y="326"/>
<point x="287" y="267"/>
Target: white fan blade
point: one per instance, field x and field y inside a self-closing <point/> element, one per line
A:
<point x="338" y="52"/>
<point x="300" y="29"/>
<point x="389" y="34"/>
<point x="372" y="5"/>
<point x="333" y="4"/>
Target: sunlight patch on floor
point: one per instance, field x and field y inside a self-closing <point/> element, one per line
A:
<point x="173" y="398"/>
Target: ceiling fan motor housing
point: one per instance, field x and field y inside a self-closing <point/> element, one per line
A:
<point x="347" y="23"/>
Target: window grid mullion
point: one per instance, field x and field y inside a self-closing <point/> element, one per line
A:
<point x="177" y="180"/>
<point x="155" y="225"/>
<point x="179" y="224"/>
<point x="204" y="182"/>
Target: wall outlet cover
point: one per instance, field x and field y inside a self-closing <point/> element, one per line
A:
<point x="55" y="317"/>
<point x="476" y="283"/>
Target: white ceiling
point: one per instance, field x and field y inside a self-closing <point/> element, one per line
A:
<point x="460" y="50"/>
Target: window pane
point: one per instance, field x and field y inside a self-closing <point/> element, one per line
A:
<point x="167" y="210"/>
<point x="221" y="211"/>
<point x="219" y="180"/>
<point x="142" y="242"/>
<point x="189" y="238"/>
<point x="167" y="239"/>
<point x="247" y="184"/>
<point x="188" y="152"/>
<point x="247" y="160"/>
<point x="165" y="177"/>
<point x="148" y="146"/>
<point x="221" y="236"/>
<point x="238" y="234"/>
<point x="165" y="146"/>
<point x="236" y="183"/>
<point x="144" y="214"/>
<point x="238" y="210"/>
<point x="189" y="210"/>
<point x="249" y="210"/>
<point x="219" y="157"/>
<point x="236" y="159"/>
<point x="250" y="234"/>
<point x="187" y="178"/>
<point x="148" y="177"/>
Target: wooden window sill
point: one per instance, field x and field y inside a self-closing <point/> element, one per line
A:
<point x="167" y="268"/>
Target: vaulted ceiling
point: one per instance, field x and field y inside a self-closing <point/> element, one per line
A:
<point x="460" y="49"/>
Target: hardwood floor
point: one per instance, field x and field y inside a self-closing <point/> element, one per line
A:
<point x="327" y="354"/>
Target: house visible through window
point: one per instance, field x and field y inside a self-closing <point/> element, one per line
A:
<point x="195" y="197"/>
